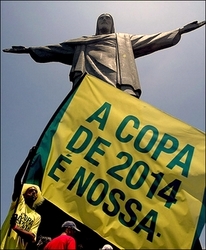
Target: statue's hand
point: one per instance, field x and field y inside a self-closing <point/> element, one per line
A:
<point x="17" y="49"/>
<point x="192" y="26"/>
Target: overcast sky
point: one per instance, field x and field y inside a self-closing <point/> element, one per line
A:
<point x="172" y="80"/>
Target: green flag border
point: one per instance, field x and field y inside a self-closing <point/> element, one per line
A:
<point x="37" y="165"/>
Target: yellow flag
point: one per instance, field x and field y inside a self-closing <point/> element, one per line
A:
<point x="125" y="169"/>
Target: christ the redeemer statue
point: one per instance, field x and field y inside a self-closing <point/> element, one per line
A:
<point x="107" y="55"/>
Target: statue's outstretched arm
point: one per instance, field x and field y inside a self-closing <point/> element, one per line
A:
<point x="17" y="49"/>
<point x="191" y="26"/>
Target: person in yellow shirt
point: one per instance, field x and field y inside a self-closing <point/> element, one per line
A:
<point x="21" y="224"/>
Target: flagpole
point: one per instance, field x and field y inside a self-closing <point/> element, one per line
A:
<point x="29" y="157"/>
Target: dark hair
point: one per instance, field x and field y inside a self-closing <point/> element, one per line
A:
<point x="42" y="241"/>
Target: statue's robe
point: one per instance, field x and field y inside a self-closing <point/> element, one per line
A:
<point x="109" y="57"/>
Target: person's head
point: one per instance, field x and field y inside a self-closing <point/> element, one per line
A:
<point x="105" y="24"/>
<point x="107" y="246"/>
<point x="42" y="241"/>
<point x="32" y="195"/>
<point x="70" y="228"/>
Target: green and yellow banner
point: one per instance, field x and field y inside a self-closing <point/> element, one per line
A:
<point x="130" y="172"/>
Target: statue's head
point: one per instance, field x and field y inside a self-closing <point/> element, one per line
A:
<point x="105" y="24"/>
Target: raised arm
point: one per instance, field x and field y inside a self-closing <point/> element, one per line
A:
<point x="18" y="180"/>
<point x="192" y="26"/>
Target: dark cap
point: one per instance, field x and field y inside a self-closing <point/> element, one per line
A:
<point x="70" y="224"/>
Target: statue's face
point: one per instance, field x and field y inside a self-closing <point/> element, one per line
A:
<point x="105" y="23"/>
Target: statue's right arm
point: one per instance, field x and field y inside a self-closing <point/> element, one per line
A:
<point x="62" y="52"/>
<point x="17" y="49"/>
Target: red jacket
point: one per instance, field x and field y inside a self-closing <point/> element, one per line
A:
<point x="62" y="242"/>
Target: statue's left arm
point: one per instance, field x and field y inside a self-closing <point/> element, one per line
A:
<point x="147" y="44"/>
